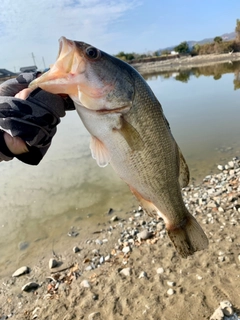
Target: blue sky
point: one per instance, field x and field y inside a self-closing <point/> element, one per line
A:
<point x="34" y="26"/>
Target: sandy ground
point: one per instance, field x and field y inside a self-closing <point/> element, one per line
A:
<point x="135" y="278"/>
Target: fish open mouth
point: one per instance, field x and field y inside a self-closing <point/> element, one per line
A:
<point x="62" y="70"/>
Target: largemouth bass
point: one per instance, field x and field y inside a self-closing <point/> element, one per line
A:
<point x="128" y="130"/>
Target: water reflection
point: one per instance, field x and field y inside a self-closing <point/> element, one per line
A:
<point x="214" y="71"/>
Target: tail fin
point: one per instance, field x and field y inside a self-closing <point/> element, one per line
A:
<point x="189" y="237"/>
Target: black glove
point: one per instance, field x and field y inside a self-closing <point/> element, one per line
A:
<point x="34" y="120"/>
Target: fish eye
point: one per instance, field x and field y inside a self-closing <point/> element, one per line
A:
<point x="92" y="52"/>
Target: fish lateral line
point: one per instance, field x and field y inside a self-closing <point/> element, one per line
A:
<point x="117" y="110"/>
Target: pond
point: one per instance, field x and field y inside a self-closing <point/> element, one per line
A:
<point x="39" y="205"/>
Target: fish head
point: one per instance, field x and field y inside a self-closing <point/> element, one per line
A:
<point x="91" y="77"/>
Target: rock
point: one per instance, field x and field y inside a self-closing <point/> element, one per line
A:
<point x="99" y="242"/>
<point x="108" y="257"/>
<point x="23" y="245"/>
<point x="221" y="259"/>
<point x="231" y="164"/>
<point x="114" y="218"/>
<point x="224" y="312"/>
<point x="76" y="249"/>
<point x="52" y="263"/>
<point x="217" y="315"/>
<point x="85" y="284"/>
<point x="35" y="311"/>
<point x="220" y="167"/>
<point x="102" y="260"/>
<point x="171" y="283"/>
<point x="126" y="272"/>
<point x="220" y="209"/>
<point x="137" y="215"/>
<point x="160" y="270"/>
<point x="94" y="316"/>
<point x="226" y="307"/>
<point x="30" y="286"/>
<point x="170" y="292"/>
<point x="144" y="235"/>
<point x="95" y="297"/>
<point x="95" y="252"/>
<point x="21" y="271"/>
<point x="126" y="249"/>
<point x="110" y="211"/>
<point x="143" y="274"/>
<point x="88" y="268"/>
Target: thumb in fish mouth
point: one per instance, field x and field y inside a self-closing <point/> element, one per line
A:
<point x="56" y="79"/>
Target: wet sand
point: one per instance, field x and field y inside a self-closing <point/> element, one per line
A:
<point x="127" y="268"/>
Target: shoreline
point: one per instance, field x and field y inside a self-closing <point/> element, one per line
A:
<point x="127" y="267"/>
<point x="184" y="63"/>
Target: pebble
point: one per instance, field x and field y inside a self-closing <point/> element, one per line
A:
<point x="85" y="284"/>
<point x="52" y="263"/>
<point x="144" y="235"/>
<point x="224" y="312"/>
<point x="35" y="311"/>
<point x="95" y="252"/>
<point x="108" y="257"/>
<point x="171" y="283"/>
<point x="170" y="292"/>
<point x="160" y="270"/>
<point x="126" y="272"/>
<point x="21" y="271"/>
<point x="143" y="274"/>
<point x="30" y="286"/>
<point x="76" y="249"/>
<point x="99" y="242"/>
<point x="102" y="260"/>
<point x="88" y="268"/>
<point x="126" y="250"/>
<point x="226" y="307"/>
<point x="94" y="316"/>
<point x="23" y="245"/>
<point x="114" y="218"/>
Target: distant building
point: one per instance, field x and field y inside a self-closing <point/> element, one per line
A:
<point x="29" y="69"/>
<point x="4" y="73"/>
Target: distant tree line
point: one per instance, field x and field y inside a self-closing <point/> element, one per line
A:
<point x="218" y="46"/>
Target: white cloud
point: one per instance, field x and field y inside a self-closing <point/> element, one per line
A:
<point x="35" y="26"/>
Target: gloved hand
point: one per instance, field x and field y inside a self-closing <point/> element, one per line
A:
<point x="27" y="126"/>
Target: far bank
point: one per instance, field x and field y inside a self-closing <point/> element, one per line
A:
<point x="184" y="63"/>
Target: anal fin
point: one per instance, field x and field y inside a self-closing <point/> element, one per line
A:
<point x="147" y="205"/>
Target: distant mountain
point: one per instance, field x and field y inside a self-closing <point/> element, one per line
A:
<point x="191" y="43"/>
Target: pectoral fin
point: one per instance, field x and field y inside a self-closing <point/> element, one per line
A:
<point x="99" y="152"/>
<point x="130" y="134"/>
